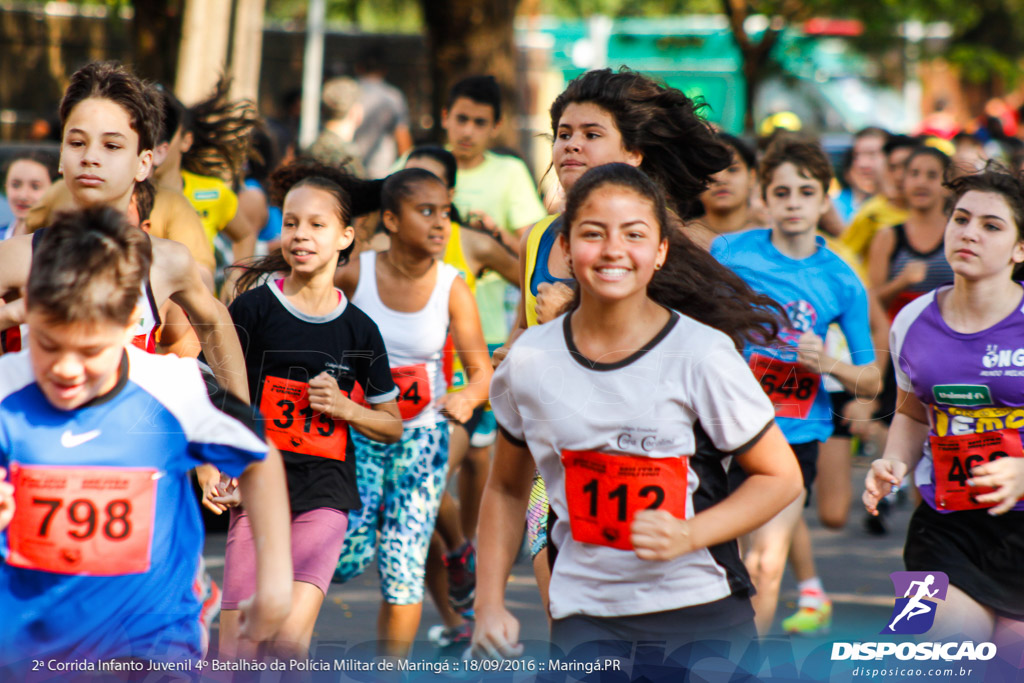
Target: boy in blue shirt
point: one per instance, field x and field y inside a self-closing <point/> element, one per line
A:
<point x="100" y="533"/>
<point x="791" y="264"/>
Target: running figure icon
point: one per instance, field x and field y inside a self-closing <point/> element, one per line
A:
<point x="915" y="605"/>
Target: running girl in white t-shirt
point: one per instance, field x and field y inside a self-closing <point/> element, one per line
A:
<point x="632" y="409"/>
<point x="415" y="299"/>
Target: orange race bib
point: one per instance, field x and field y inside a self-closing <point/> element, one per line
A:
<point x="413" y="389"/>
<point x="292" y="425"/>
<point x="953" y="457"/>
<point x="604" y="491"/>
<point x="790" y="387"/>
<point x="94" y="521"/>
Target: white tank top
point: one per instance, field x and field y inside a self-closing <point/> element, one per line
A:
<point x="415" y="341"/>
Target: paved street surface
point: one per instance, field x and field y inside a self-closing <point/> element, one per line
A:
<point x="854" y="567"/>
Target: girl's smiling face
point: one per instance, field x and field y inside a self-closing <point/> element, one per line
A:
<point x="312" y="230"/>
<point x="615" y="244"/>
<point x="26" y="182"/>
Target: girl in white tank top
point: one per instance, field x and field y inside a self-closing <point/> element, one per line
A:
<point x="415" y="340"/>
<point x="415" y="300"/>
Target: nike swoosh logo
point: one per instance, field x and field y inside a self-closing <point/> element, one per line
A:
<point x="69" y="440"/>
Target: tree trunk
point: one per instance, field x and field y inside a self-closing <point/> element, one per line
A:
<point x="755" y="56"/>
<point x="247" y="49"/>
<point x="468" y="37"/>
<point x="204" y="48"/>
<point x="156" y="34"/>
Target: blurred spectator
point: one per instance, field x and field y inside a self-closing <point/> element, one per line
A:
<point x="864" y="172"/>
<point x="726" y="202"/>
<point x="334" y="146"/>
<point x="383" y="135"/>
<point x="970" y="155"/>
<point x="941" y="123"/>
<point x="889" y="206"/>
<point x="27" y="176"/>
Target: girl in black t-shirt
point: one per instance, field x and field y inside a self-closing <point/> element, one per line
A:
<point x="316" y="366"/>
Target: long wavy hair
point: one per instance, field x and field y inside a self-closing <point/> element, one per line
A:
<point x="680" y="150"/>
<point x="690" y="281"/>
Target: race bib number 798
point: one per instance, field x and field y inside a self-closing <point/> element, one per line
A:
<point x="96" y="521"/>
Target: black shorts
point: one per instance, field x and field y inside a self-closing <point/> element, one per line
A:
<point x="730" y="619"/>
<point x="982" y="555"/>
<point x="806" y="456"/>
<point x="840" y="427"/>
<point x="473" y="422"/>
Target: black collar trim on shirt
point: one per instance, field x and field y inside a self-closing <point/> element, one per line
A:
<point x="602" y="367"/>
<point x="122" y="382"/>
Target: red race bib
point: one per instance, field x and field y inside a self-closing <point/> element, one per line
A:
<point x="953" y="457"/>
<point x="94" y="521"/>
<point x="413" y="390"/>
<point x="292" y="425"/>
<point x="790" y="388"/>
<point x="604" y="491"/>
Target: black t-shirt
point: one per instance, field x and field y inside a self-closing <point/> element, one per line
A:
<point x="284" y="349"/>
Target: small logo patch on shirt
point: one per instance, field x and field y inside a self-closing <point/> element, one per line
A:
<point x="962" y="394"/>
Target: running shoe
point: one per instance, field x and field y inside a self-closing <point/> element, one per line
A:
<point x="209" y="593"/>
<point x="461" y="566"/>
<point x="809" y="621"/>
<point x="452" y="642"/>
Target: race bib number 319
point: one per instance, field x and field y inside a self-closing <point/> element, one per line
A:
<point x="96" y="521"/>
<point x="604" y="491"/>
<point x="293" y="426"/>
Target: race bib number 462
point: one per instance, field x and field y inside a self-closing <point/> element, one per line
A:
<point x="96" y="521"/>
<point x="953" y="458"/>
<point x="604" y="491"/>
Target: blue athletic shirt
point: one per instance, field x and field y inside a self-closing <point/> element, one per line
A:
<point x="160" y="421"/>
<point x="815" y="292"/>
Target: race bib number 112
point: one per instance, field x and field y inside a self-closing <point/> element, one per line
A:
<point x="604" y="491"/>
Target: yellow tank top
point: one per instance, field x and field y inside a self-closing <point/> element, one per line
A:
<point x="454" y="256"/>
<point x="532" y="245"/>
<point x="213" y="200"/>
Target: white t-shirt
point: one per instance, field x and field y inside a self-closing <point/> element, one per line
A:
<point x="688" y="393"/>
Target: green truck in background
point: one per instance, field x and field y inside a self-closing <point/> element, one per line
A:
<point x="821" y="79"/>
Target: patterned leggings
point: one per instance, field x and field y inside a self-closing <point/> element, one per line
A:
<point x="401" y="486"/>
<point x="537" y="516"/>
